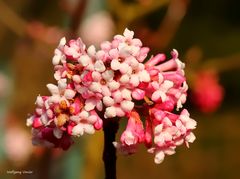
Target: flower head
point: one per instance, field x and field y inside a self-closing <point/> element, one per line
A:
<point x="95" y="85"/>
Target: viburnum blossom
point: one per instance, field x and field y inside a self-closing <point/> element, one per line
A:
<point x="207" y="93"/>
<point x="116" y="81"/>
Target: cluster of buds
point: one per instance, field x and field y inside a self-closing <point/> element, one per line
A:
<point x="114" y="82"/>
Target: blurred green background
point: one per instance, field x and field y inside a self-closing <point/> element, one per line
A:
<point x="207" y="36"/>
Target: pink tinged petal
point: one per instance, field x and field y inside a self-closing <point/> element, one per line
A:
<point x="166" y="121"/>
<point x="96" y="76"/>
<point x="166" y="85"/>
<point x="57" y="75"/>
<point x="136" y="42"/>
<point x="124" y="67"/>
<point x="115" y="64"/>
<point x="159" y="157"/>
<point x="51" y="100"/>
<point x="117" y="96"/>
<point x="126" y="94"/>
<point x="91" y="51"/>
<point x="90" y="104"/>
<point x="169" y="151"/>
<point x="113" y="53"/>
<point x="76" y="78"/>
<point x="135" y="51"/>
<point x="191" y="124"/>
<point x="44" y="119"/>
<point x="134" y="80"/>
<point x="39" y="111"/>
<point x="56" y="59"/>
<point x="110" y="112"/>
<point x="120" y="112"/>
<point x="84" y="60"/>
<point x="53" y="89"/>
<point x="144" y="76"/>
<point x="99" y="66"/>
<point x="118" y="38"/>
<point x="92" y="119"/>
<point x="160" y="78"/>
<point x="174" y="53"/>
<point x="113" y="85"/>
<point x="159" y="140"/>
<point x="128" y="34"/>
<point x="98" y="125"/>
<point x="127" y="105"/>
<point x="95" y="87"/>
<point x="108" y="75"/>
<point x="69" y="94"/>
<point x="90" y="67"/>
<point x="181" y="101"/>
<point x="143" y="54"/>
<point x="62" y="42"/>
<point x="75" y="118"/>
<point x="159" y="115"/>
<point x="57" y="133"/>
<point x="108" y="101"/>
<point x="100" y="55"/>
<point x="151" y="150"/>
<point x="99" y="105"/>
<point x="132" y="62"/>
<point x="124" y="79"/>
<point x="89" y="129"/>
<point x="180" y="126"/>
<point x="180" y="65"/>
<point x="49" y="113"/>
<point x="106" y="91"/>
<point x="138" y="94"/>
<point x="29" y="121"/>
<point x="106" y="46"/>
<point x="159" y="94"/>
<point x="190" y="137"/>
<point x="62" y="84"/>
<point x="155" y="85"/>
<point x="179" y="142"/>
<point x="141" y="66"/>
<point x="39" y="101"/>
<point x="84" y="114"/>
<point x="128" y="138"/>
<point x="158" y="129"/>
<point x="78" y="130"/>
<point x="155" y="60"/>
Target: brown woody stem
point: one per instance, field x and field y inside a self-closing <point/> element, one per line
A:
<point x="110" y="127"/>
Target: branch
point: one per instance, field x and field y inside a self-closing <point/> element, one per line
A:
<point x="110" y="127"/>
<point x="10" y="19"/>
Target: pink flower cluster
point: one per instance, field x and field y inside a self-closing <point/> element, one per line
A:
<point x="207" y="93"/>
<point x="94" y="85"/>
